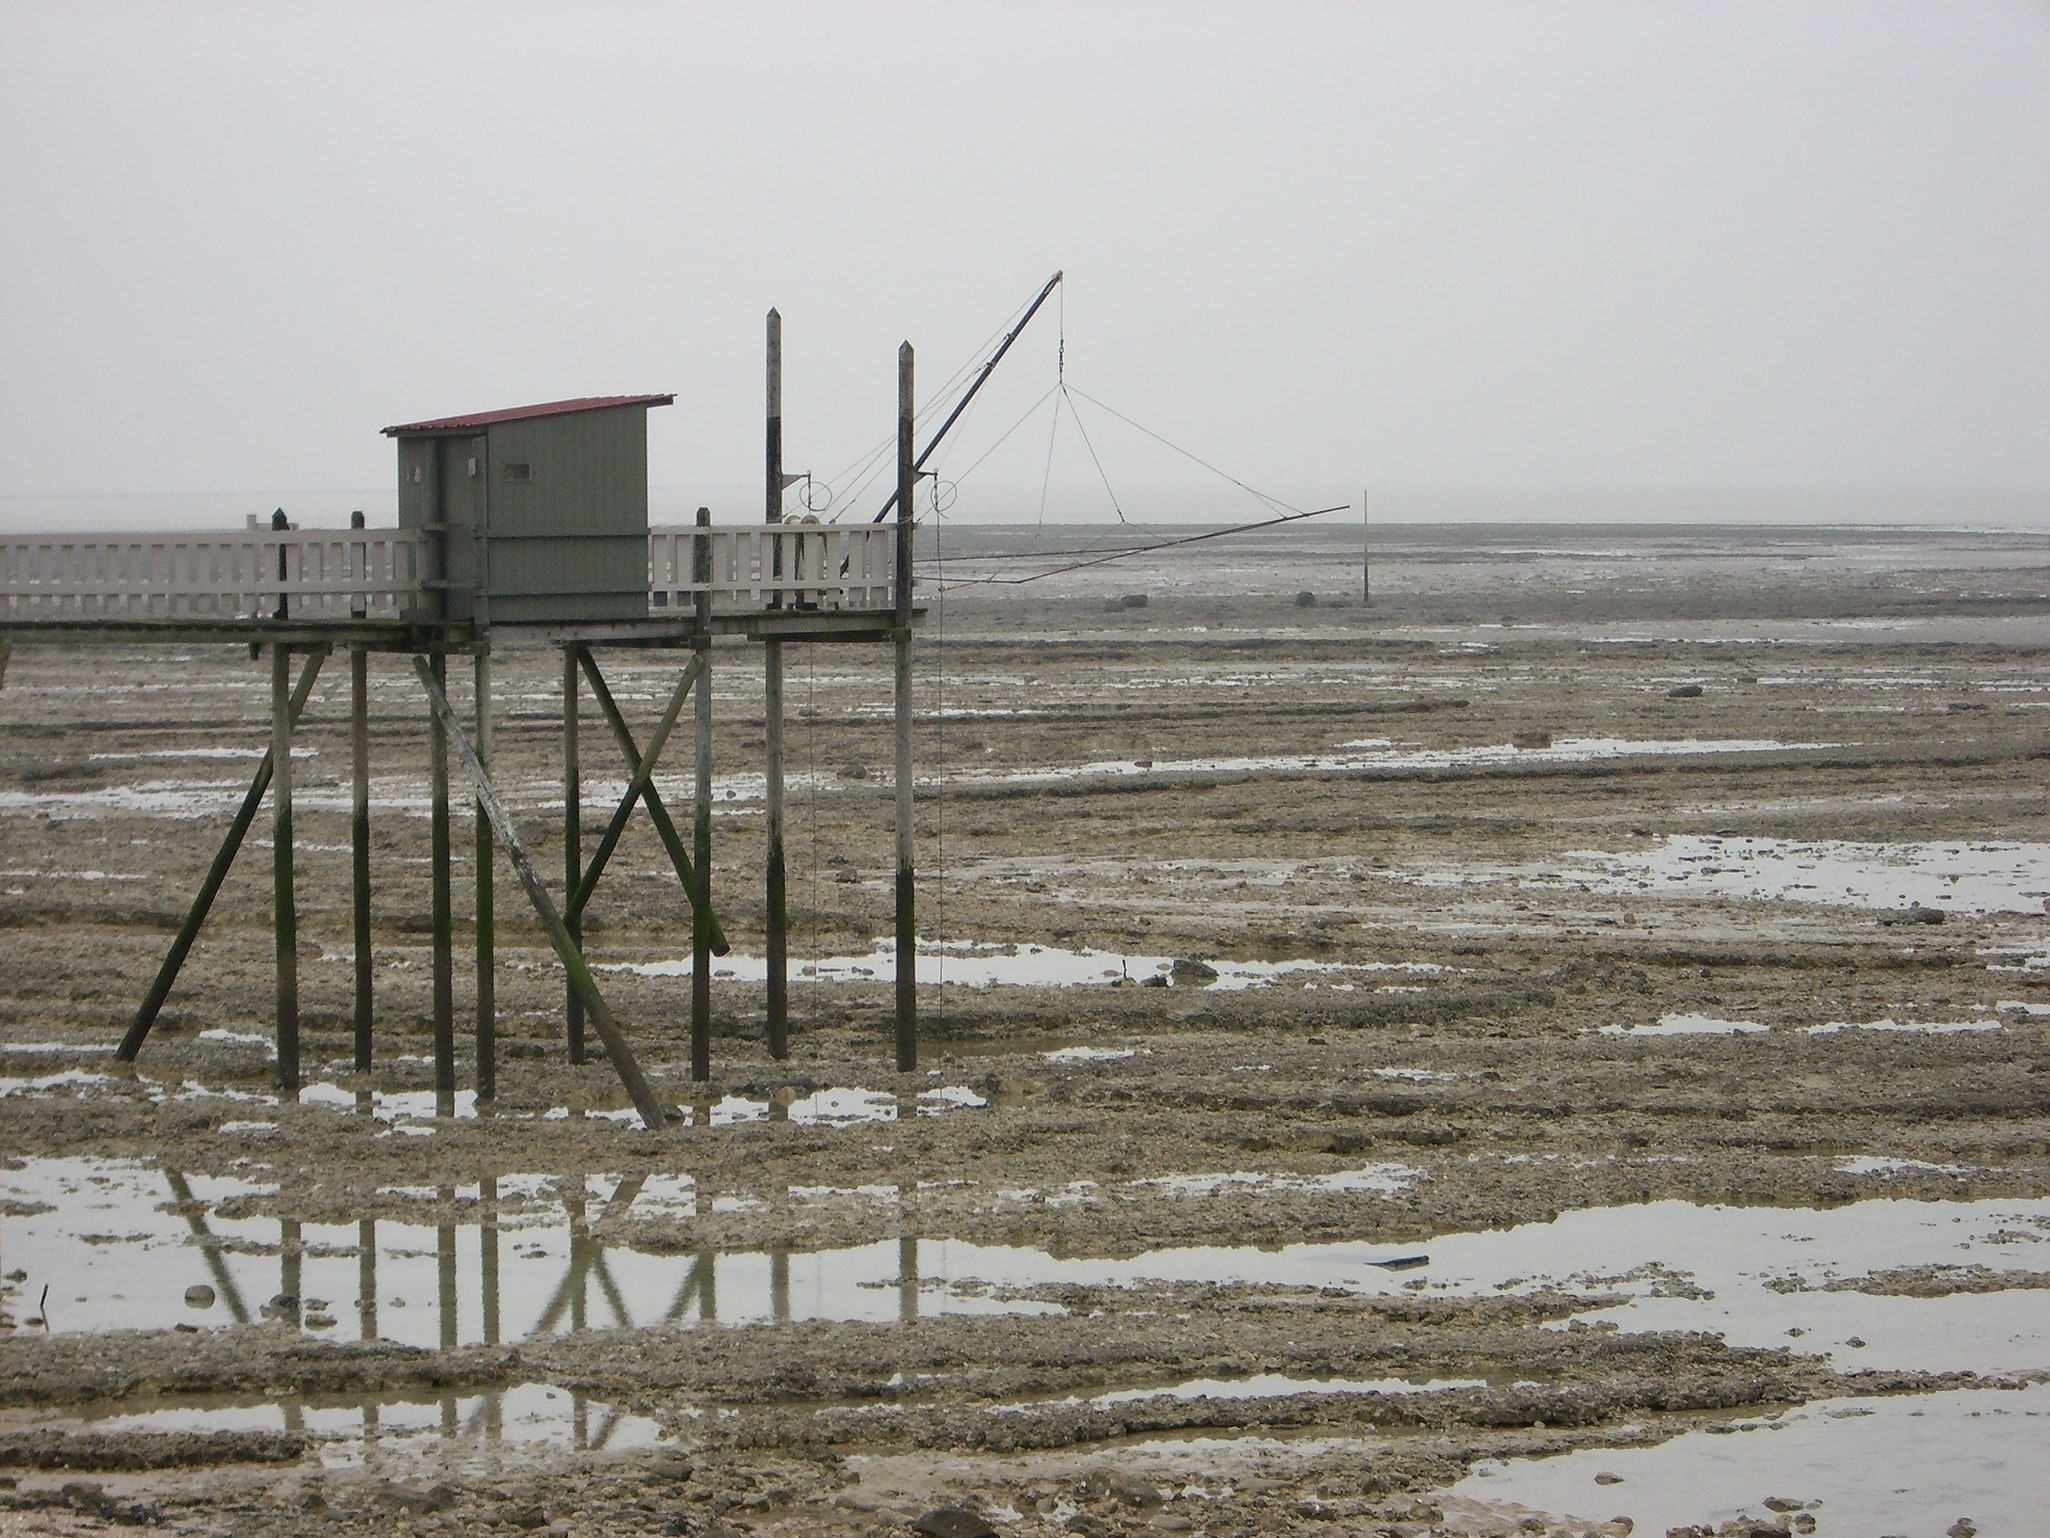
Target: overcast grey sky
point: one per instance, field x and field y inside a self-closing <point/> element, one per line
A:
<point x="1424" y="246"/>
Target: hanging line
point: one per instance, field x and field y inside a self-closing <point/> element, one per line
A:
<point x="1273" y="502"/>
<point x="1053" y="432"/>
<point x="1094" y="459"/>
<point x="1166" y="544"/>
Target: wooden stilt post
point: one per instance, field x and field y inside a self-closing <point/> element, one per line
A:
<point x="651" y="798"/>
<point x="643" y="777"/>
<point x="907" y="904"/>
<point x="359" y="842"/>
<point x="572" y="957"/>
<point x="443" y="920"/>
<point x="486" y="1067"/>
<point x="284" y="908"/>
<point x="777" y="949"/>
<point x="701" y="817"/>
<point x="572" y="839"/>
<point x="195" y="916"/>
<point x="359" y="820"/>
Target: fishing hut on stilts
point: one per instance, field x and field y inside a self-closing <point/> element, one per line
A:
<point x="533" y="519"/>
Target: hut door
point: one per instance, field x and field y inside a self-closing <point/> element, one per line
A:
<point x="462" y="511"/>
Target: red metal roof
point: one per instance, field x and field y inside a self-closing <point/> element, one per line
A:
<point x="521" y="413"/>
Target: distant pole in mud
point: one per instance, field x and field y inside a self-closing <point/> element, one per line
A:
<point x="777" y="949"/>
<point x="907" y="922"/>
<point x="1366" y="554"/>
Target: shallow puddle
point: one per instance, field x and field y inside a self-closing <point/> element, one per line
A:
<point x="348" y="1430"/>
<point x="1915" y="1464"/>
<point x="1380" y="753"/>
<point x="120" y="1243"/>
<point x="970" y="965"/>
<point x="1952" y="877"/>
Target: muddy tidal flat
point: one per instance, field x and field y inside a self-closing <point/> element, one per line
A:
<point x="1562" y="1047"/>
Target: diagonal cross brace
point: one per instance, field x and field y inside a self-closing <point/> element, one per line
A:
<point x="167" y="974"/>
<point x="558" y="934"/>
<point x="651" y="797"/>
<point x="643" y="780"/>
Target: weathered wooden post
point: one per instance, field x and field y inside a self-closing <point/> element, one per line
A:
<point x="359" y="821"/>
<point x="1366" y="554"/>
<point x="285" y="913"/>
<point x="486" y="1067"/>
<point x="572" y="840"/>
<point x="443" y="921"/>
<point x="701" y="821"/>
<point x="907" y="922"/>
<point x="777" y="948"/>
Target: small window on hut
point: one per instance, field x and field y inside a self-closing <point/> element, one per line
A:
<point x="518" y="470"/>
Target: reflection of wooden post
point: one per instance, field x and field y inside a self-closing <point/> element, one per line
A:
<point x="907" y="922"/>
<point x="445" y="1257"/>
<point x="907" y="1278"/>
<point x="485" y="1069"/>
<point x="776" y="951"/>
<point x="779" y="1285"/>
<point x="572" y="840"/>
<point x="284" y="908"/>
<point x="487" y="1190"/>
<point x="443" y="920"/>
<point x="366" y="1277"/>
<point x="701" y="822"/>
<point x="290" y="1252"/>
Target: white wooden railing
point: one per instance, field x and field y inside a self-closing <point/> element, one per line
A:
<point x="314" y="574"/>
<point x="382" y="574"/>
<point x="824" y="566"/>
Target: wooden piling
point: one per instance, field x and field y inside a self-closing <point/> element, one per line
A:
<point x="907" y="903"/>
<point x="595" y="1008"/>
<point x="359" y="843"/>
<point x="701" y="814"/>
<point x="486" y="1066"/>
<point x="776" y="950"/>
<point x="651" y="798"/>
<point x="224" y="859"/>
<point x="643" y="776"/>
<point x="284" y="908"/>
<point x="572" y="839"/>
<point x="442" y="919"/>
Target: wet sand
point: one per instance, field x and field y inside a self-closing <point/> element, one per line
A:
<point x="1646" y="928"/>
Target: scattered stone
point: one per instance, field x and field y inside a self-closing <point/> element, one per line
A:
<point x="1125" y="1489"/>
<point x="1306" y="599"/>
<point x="953" y="1522"/>
<point x="854" y="771"/>
<point x="1133" y="600"/>
<point x="1531" y="741"/>
<point x="1606" y="1478"/>
<point x="1684" y="692"/>
<point x="199" y="1295"/>
<point x="1783" y="1503"/>
<point x="1963" y="1527"/>
<point x="1187" y="972"/>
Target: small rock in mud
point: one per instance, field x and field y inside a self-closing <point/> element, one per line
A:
<point x="199" y="1295"/>
<point x="1187" y="971"/>
<point x="1125" y="1489"/>
<point x="1684" y="692"/>
<point x="1606" y="1478"/>
<point x="953" y="1522"/>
